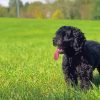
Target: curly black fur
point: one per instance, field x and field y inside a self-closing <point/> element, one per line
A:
<point x="80" y="55"/>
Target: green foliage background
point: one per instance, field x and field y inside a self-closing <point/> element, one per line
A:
<point x="59" y="9"/>
<point x="27" y="68"/>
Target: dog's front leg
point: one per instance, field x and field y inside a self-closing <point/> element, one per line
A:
<point x="69" y="72"/>
<point x="85" y="74"/>
<point x="70" y="76"/>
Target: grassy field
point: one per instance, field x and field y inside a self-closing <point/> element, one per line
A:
<point x="27" y="68"/>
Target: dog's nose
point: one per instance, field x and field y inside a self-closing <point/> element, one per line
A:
<point x="54" y="41"/>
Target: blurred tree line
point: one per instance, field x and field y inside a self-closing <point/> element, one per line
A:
<point x="59" y="9"/>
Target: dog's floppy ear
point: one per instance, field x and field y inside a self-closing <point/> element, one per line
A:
<point x="80" y="36"/>
<point x="79" y="39"/>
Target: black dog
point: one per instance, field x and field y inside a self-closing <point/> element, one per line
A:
<point x="80" y="58"/>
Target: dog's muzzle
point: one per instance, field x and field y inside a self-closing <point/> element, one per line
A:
<point x="57" y="42"/>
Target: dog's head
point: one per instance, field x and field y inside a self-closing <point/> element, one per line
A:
<point x="69" y="40"/>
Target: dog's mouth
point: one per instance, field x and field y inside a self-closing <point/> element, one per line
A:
<point x="60" y="50"/>
<point x="57" y="52"/>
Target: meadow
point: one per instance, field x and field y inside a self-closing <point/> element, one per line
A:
<point x="27" y="68"/>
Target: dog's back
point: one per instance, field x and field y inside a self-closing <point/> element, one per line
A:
<point x="92" y="53"/>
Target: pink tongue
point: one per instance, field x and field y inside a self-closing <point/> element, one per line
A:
<point x="56" y="54"/>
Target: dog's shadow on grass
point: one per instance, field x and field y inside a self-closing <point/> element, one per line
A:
<point x="96" y="80"/>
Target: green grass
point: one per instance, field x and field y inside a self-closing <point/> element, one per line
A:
<point x="27" y="68"/>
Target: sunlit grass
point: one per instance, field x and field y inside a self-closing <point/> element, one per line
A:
<point x="27" y="68"/>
